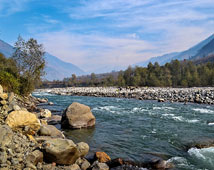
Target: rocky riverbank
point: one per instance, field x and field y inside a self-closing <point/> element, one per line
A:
<point x="202" y="95"/>
<point x="29" y="141"/>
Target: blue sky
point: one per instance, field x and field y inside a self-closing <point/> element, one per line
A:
<point x="105" y="35"/>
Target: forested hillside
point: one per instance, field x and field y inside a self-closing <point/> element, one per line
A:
<point x="175" y="74"/>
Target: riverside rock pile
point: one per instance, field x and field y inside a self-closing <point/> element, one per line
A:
<point x="203" y="95"/>
<point x="27" y="142"/>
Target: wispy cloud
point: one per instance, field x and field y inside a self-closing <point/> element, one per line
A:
<point x="8" y="7"/>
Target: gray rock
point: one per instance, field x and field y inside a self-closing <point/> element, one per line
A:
<point x="61" y="151"/>
<point x="3" y="157"/>
<point x="100" y="166"/>
<point x="35" y="157"/>
<point x="50" y="130"/>
<point x="74" y="167"/>
<point x="6" y="135"/>
<point x="55" y="119"/>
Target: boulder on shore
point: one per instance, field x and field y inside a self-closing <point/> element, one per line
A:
<point x="63" y="151"/>
<point x="77" y="116"/>
<point x="23" y="120"/>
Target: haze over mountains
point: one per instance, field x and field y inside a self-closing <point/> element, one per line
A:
<point x="202" y="49"/>
<point x="56" y="69"/>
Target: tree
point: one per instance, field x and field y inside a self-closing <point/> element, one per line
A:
<point x="28" y="56"/>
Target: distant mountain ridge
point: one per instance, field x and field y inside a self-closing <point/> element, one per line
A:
<point x="56" y="69"/>
<point x="202" y="49"/>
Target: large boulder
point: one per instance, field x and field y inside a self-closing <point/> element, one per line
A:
<point x="50" y="130"/>
<point x="62" y="151"/>
<point x="23" y="120"/>
<point x="77" y="116"/>
<point x="6" y="135"/>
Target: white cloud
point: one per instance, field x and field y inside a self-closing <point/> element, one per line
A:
<point x="8" y="7"/>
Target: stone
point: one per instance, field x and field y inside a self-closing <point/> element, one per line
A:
<point x="50" y="130"/>
<point x="6" y="135"/>
<point x="77" y="116"/>
<point x="3" y="157"/>
<point x="61" y="151"/>
<point x="16" y="107"/>
<point x="51" y="103"/>
<point x="102" y="157"/>
<point x="55" y="119"/>
<point x="161" y="100"/>
<point x="74" y="167"/>
<point x="83" y="149"/>
<point x="11" y="97"/>
<point x="35" y="157"/>
<point x="100" y="166"/>
<point x="1" y="89"/>
<point x="115" y="162"/>
<point x="31" y="166"/>
<point x="45" y="113"/>
<point x="23" y="119"/>
<point x="43" y="122"/>
<point x="83" y="163"/>
<point x="3" y="102"/>
<point x="4" y="96"/>
<point x="42" y="100"/>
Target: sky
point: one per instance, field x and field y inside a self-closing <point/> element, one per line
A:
<point x="105" y="35"/>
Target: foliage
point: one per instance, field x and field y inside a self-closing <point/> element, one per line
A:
<point x="30" y="63"/>
<point x="23" y="71"/>
<point x="9" y="77"/>
<point x="175" y="74"/>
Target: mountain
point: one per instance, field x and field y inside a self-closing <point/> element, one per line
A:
<point x="202" y="49"/>
<point x="209" y="58"/>
<point x="208" y="49"/>
<point x="56" y="69"/>
<point x="160" y="59"/>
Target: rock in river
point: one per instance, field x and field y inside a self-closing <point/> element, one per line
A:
<point x="77" y="116"/>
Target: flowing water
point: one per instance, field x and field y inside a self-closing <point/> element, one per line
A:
<point x="130" y="128"/>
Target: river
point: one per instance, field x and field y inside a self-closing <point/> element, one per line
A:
<point x="130" y="128"/>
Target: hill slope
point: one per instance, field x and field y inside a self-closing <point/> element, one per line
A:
<point x="204" y="48"/>
<point x="56" y="69"/>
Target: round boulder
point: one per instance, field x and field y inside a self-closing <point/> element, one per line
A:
<point x="23" y="120"/>
<point x="77" y="116"/>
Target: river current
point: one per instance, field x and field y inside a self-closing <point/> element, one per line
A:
<point x="130" y="128"/>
